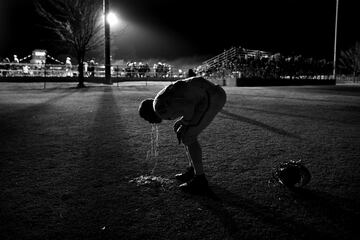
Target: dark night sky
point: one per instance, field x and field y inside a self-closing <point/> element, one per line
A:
<point x="173" y="29"/>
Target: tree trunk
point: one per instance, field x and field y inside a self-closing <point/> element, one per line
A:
<point x="81" y="71"/>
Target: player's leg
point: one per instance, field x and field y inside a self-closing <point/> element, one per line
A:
<point x="190" y="172"/>
<point x="195" y="153"/>
<point x="199" y="182"/>
<point x="190" y="139"/>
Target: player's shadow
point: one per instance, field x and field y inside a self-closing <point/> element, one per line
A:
<point x="338" y="210"/>
<point x="212" y="202"/>
<point x="217" y="199"/>
<point x="232" y="116"/>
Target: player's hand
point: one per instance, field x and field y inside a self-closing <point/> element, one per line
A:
<point x="181" y="132"/>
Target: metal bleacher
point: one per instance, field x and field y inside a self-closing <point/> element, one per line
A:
<point x="229" y="55"/>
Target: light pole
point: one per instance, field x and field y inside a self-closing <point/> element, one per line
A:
<point x="335" y="39"/>
<point x="107" y="43"/>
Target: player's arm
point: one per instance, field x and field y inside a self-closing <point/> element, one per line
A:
<point x="187" y="109"/>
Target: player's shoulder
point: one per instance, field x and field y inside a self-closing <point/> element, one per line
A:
<point x="178" y="86"/>
<point x="195" y="79"/>
<point x="180" y="83"/>
<point x="167" y="91"/>
<point x="187" y="81"/>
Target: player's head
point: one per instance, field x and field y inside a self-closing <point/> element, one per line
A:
<point x="146" y="111"/>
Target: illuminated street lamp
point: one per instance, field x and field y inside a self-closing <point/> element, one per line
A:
<point x="335" y="39"/>
<point x="112" y="19"/>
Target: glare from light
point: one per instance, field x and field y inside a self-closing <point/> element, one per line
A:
<point x="112" y="19"/>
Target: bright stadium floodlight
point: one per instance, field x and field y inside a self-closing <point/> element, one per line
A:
<point x="112" y="19"/>
<point x="335" y="38"/>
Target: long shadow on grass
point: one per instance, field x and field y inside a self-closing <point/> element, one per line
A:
<point x="15" y="122"/>
<point x="107" y="145"/>
<point x="334" y="90"/>
<point x="348" y="108"/>
<point x="236" y="117"/>
<point x="211" y="201"/>
<point x="330" y="90"/>
<point x="217" y="199"/>
<point x="104" y="162"/>
<point x="337" y="210"/>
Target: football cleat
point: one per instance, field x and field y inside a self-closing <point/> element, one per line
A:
<point x="186" y="176"/>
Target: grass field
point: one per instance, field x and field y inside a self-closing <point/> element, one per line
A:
<point x="67" y="158"/>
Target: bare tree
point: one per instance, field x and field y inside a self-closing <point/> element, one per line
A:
<point x="78" y="23"/>
<point x="349" y="60"/>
